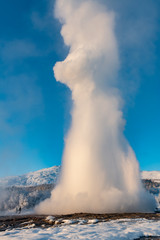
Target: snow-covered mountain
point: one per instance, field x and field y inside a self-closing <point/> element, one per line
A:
<point x="50" y="176"/>
<point x="44" y="176"/>
<point x="151" y="175"/>
<point x="30" y="189"/>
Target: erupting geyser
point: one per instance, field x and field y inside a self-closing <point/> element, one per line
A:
<point x="100" y="172"/>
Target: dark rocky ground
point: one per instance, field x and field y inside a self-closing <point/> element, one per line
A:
<point x="19" y="221"/>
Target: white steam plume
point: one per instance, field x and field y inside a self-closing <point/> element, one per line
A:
<point x="100" y="172"/>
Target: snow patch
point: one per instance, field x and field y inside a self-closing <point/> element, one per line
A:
<point x="50" y="219"/>
<point x="92" y="221"/>
<point x="69" y="221"/>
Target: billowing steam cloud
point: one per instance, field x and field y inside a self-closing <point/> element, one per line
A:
<point x="100" y="172"/>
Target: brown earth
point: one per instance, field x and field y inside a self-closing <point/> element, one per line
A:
<point x="21" y="221"/>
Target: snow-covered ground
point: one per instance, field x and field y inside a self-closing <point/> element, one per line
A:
<point x="118" y="229"/>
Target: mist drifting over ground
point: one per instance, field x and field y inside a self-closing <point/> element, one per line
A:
<point x="100" y="172"/>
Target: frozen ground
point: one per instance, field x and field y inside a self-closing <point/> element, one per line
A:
<point x="115" y="229"/>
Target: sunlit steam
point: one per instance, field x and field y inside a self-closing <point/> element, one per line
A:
<point x="100" y="172"/>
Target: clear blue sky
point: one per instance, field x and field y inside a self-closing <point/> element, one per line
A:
<point x="35" y="109"/>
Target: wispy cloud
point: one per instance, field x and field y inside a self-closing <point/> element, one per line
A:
<point x="43" y="20"/>
<point x="16" y="158"/>
<point x="39" y="22"/>
<point x="20" y="101"/>
<point x="137" y="24"/>
<point x="18" y="49"/>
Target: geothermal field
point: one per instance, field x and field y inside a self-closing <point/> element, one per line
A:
<point x="95" y="143"/>
<point x="99" y="191"/>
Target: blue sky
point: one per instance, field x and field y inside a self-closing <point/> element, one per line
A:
<point x="35" y="109"/>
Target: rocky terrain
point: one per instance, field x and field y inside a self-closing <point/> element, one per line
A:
<point x="21" y="221"/>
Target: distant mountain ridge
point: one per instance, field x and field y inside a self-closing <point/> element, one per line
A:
<point x="152" y="175"/>
<point x="50" y="176"/>
<point x="40" y="177"/>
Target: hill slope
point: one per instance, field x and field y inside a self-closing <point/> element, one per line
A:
<point x="152" y="175"/>
<point x="50" y="176"/>
<point x="44" y="176"/>
<point x="30" y="189"/>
